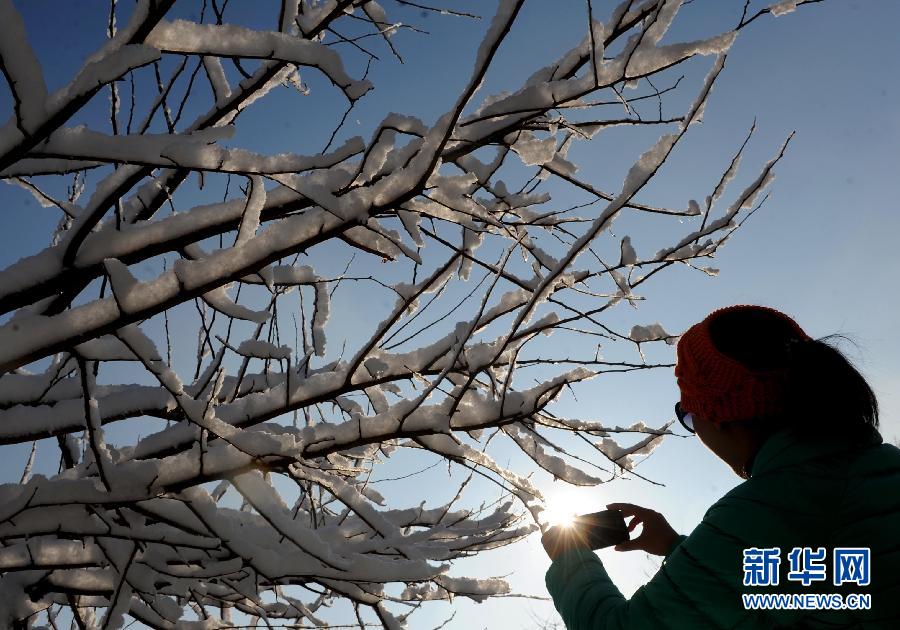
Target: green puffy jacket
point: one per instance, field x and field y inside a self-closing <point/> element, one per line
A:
<point x="801" y="493"/>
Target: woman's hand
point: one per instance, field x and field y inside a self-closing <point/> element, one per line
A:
<point x="557" y="540"/>
<point x="657" y="536"/>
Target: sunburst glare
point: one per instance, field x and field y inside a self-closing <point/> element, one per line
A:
<point x="561" y="510"/>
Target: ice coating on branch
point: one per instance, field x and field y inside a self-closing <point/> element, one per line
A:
<point x="652" y="332"/>
<point x="28" y="167"/>
<point x="543" y="258"/>
<point x="322" y="310"/>
<point x="265" y="500"/>
<point x="447" y="446"/>
<point x="191" y="150"/>
<point x="293" y="274"/>
<point x="107" y="348"/>
<point x="410" y="222"/>
<point x="231" y="40"/>
<point x="471" y="241"/>
<point x="648" y="59"/>
<point x="350" y="206"/>
<point x="67" y="414"/>
<point x="48" y="552"/>
<point x="101" y="71"/>
<point x="370" y="239"/>
<point x="695" y="114"/>
<point x="377" y="154"/>
<point x="480" y="355"/>
<point x="255" y="202"/>
<point x="509" y="301"/>
<point x="82" y="142"/>
<point x="379" y="17"/>
<point x="534" y="151"/>
<point x="22" y="68"/>
<point x="475" y="589"/>
<point x="622" y="283"/>
<point x="98" y="246"/>
<point x="145" y="349"/>
<point x="505" y="13"/>
<point x="784" y="7"/>
<point x="219" y="300"/>
<point x="624" y="456"/>
<point x="122" y="283"/>
<point x="185" y="275"/>
<point x="481" y="170"/>
<point x="647" y="164"/>
<point x="533" y="445"/>
<point x="214" y="157"/>
<point x="281" y="76"/>
<point x="376" y="367"/>
<point x="349" y="496"/>
<point x="42" y="198"/>
<point x="217" y="80"/>
<point x="26" y="472"/>
<point x="628" y="255"/>
<point x="263" y="349"/>
<point x="689" y="245"/>
<point x="661" y="22"/>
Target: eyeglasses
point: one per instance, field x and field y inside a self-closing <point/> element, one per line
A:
<point x="686" y="418"/>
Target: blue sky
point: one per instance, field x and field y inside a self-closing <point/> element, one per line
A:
<point x="822" y="249"/>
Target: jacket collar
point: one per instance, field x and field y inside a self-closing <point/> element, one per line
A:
<point x="785" y="447"/>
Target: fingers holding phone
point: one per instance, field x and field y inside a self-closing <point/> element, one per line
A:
<point x="587" y="531"/>
<point x="656" y="537"/>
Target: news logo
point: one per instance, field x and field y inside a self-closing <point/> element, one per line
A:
<point x="849" y="565"/>
<point x="807" y="565"/>
<point x="761" y="566"/>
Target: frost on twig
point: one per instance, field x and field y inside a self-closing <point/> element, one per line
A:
<point x="235" y="354"/>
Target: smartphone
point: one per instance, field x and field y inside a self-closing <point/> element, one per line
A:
<point x="601" y="529"/>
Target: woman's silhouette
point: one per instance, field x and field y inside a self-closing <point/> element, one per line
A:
<point x="819" y="512"/>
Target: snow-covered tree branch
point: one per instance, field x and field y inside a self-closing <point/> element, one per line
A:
<point x="191" y="294"/>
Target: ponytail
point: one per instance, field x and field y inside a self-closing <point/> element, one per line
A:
<point x="825" y="391"/>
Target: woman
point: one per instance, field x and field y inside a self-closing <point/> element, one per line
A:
<point x="819" y="511"/>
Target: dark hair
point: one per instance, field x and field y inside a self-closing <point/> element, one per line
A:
<point x="825" y="392"/>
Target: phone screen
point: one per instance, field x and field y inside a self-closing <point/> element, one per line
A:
<point x="601" y="529"/>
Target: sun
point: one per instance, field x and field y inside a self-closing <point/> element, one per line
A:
<point x="561" y="510"/>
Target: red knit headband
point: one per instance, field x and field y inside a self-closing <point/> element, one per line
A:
<point x="717" y="387"/>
